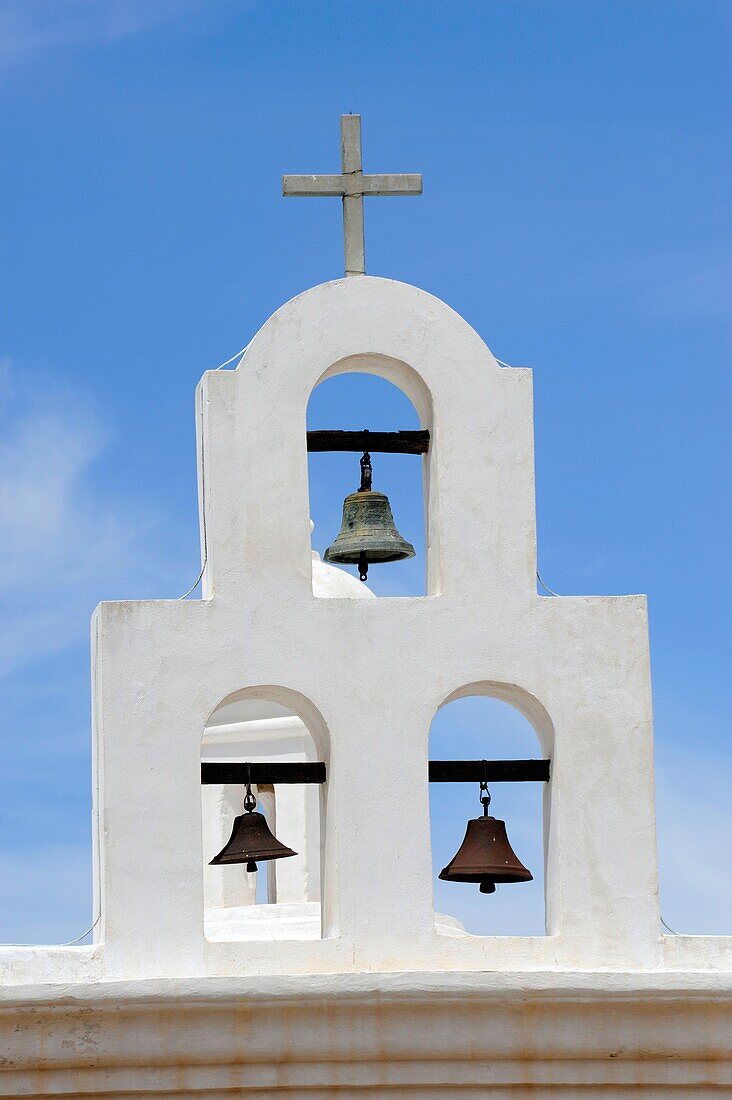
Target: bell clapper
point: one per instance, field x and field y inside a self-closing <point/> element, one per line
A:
<point x="487" y="885"/>
<point x="250" y="805"/>
<point x="365" y="487"/>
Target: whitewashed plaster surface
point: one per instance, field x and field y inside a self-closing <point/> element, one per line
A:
<point x="383" y="998"/>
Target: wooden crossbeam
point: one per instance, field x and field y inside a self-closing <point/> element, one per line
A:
<point x="494" y="771"/>
<point x="407" y="443"/>
<point x="440" y="771"/>
<point x="234" y="771"/>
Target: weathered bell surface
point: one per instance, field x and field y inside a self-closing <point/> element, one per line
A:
<point x="250" y="840"/>
<point x="368" y="533"/>
<point x="485" y="856"/>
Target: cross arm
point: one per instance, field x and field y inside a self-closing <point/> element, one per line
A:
<point x="313" y="185"/>
<point x="390" y="183"/>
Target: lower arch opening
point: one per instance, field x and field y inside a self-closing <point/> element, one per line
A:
<point x="477" y="727"/>
<point x="281" y="899"/>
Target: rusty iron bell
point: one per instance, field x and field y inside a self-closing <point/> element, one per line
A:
<point x="485" y="855"/>
<point x="251" y="839"/>
<point x="368" y="533"/>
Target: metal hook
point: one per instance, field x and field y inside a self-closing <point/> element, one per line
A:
<point x="485" y="796"/>
<point x="250" y="801"/>
<point x="366" y="472"/>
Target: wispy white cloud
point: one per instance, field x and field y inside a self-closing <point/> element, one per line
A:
<point x="31" y="26"/>
<point x="63" y="544"/>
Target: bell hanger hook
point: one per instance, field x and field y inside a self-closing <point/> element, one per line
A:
<point x="250" y="802"/>
<point x="485" y="795"/>
<point x="366" y="470"/>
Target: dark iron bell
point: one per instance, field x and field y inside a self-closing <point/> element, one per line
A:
<point x="485" y="855"/>
<point x="368" y="533"/>
<point x="251" y="839"/>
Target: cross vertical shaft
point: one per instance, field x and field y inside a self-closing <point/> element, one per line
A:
<point x="352" y="185"/>
<point x="352" y="165"/>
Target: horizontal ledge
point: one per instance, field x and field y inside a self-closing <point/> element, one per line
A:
<point x="440" y="771"/>
<point x="493" y="771"/>
<point x="549" y="984"/>
<point x="408" y="443"/>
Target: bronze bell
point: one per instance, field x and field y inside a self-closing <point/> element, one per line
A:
<point x="368" y="533"/>
<point x="251" y="839"/>
<point x="485" y="855"/>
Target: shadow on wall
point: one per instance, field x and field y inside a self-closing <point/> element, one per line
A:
<point x="474" y="728"/>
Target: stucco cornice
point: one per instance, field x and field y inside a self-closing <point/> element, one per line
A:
<point x="369" y="1034"/>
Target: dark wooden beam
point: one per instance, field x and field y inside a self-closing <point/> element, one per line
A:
<point x="494" y="771"/>
<point x="406" y="443"/>
<point x="440" y="771"/>
<point x="232" y="771"/>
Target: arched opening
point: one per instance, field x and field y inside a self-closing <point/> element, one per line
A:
<point x="352" y="398"/>
<point x="281" y="899"/>
<point x="477" y="727"/>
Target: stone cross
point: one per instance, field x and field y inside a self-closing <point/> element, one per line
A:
<point x="352" y="185"/>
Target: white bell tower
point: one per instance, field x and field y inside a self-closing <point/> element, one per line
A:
<point x="365" y="676"/>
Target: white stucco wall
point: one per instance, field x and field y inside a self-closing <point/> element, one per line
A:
<point x="366" y="677"/>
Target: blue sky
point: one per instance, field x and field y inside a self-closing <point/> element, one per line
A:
<point x="576" y="170"/>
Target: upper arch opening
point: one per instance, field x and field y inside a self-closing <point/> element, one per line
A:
<point x="396" y="371"/>
<point x="380" y="394"/>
